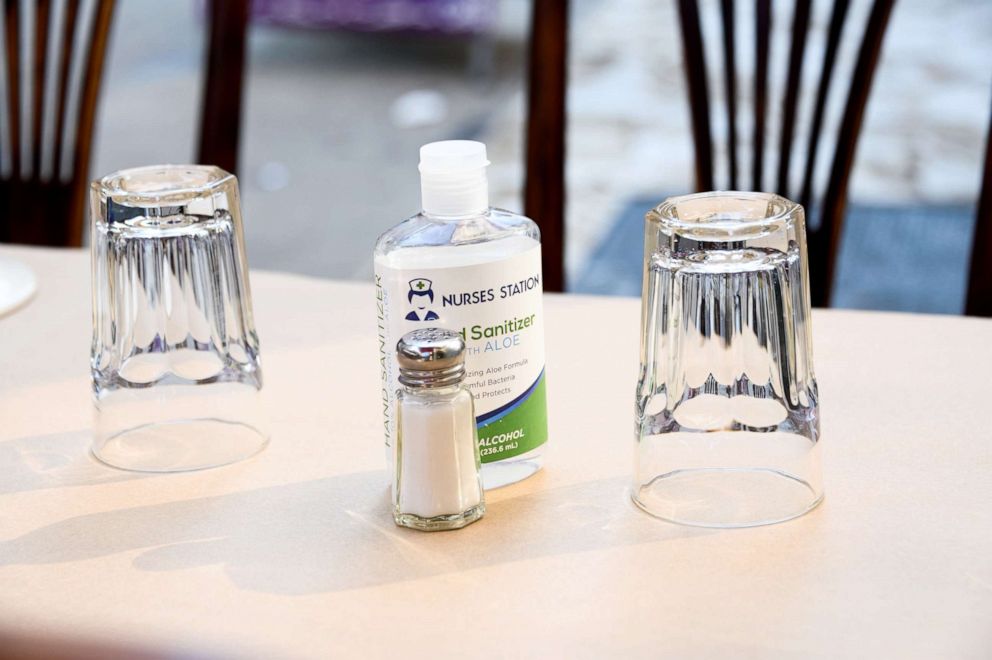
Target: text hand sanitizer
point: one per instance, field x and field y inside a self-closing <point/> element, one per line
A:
<point x="463" y="266"/>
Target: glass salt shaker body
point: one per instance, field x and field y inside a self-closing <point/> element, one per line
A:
<point x="437" y="483"/>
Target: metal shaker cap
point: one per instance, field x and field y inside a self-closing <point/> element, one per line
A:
<point x="431" y="357"/>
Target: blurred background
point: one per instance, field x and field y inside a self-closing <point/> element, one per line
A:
<point x="337" y="103"/>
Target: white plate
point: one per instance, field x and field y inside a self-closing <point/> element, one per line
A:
<point x="17" y="285"/>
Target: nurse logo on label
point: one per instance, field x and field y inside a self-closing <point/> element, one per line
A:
<point x="421" y="297"/>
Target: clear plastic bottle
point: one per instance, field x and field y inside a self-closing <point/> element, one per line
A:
<point x="464" y="266"/>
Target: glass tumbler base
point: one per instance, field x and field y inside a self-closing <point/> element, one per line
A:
<point x="180" y="445"/>
<point x="726" y="497"/>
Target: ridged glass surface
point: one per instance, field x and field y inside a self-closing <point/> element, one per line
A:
<point x="727" y="418"/>
<point x="175" y="355"/>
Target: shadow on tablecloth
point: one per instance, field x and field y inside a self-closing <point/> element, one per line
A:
<point x="336" y="533"/>
<point x="55" y="460"/>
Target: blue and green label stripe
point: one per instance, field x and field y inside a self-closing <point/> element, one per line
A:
<point x="517" y="427"/>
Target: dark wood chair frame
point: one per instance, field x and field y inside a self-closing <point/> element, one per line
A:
<point x="979" y="298"/>
<point x="544" y="186"/>
<point x="223" y="83"/>
<point x="48" y="207"/>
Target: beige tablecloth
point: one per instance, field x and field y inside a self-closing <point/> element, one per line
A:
<point x="294" y="554"/>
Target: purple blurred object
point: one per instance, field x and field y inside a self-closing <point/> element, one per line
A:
<point x="441" y="16"/>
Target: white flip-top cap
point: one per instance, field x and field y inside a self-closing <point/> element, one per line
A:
<point x="453" y="178"/>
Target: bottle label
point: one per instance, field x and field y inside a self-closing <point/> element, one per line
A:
<point x="496" y="307"/>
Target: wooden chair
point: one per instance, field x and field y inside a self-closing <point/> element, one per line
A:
<point x="979" y="298"/>
<point x="824" y="237"/>
<point x="42" y="198"/>
<point x="544" y="188"/>
<point x="37" y="206"/>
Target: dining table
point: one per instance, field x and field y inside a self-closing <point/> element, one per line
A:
<point x="293" y="553"/>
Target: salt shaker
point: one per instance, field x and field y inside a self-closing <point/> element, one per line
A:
<point x="437" y="483"/>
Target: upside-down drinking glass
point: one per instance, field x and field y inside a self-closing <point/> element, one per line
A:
<point x="727" y="406"/>
<point x="175" y="366"/>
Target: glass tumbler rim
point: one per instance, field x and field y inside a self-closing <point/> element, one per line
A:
<point x="139" y="187"/>
<point x="780" y="214"/>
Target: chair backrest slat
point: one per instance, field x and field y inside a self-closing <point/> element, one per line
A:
<point x="695" y="63"/>
<point x="824" y="242"/>
<point x="95" y="52"/>
<point x="69" y="20"/>
<point x="763" y="25"/>
<point x="730" y="85"/>
<point x="41" y="19"/>
<point x="797" y="50"/>
<point x="12" y="27"/>
<point x="837" y="18"/>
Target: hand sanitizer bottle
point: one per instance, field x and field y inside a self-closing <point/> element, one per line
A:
<point x="464" y="266"/>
